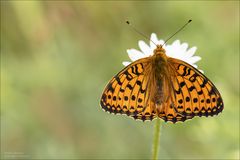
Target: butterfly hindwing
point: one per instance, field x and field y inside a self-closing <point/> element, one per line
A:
<point x="126" y="93"/>
<point x="195" y="94"/>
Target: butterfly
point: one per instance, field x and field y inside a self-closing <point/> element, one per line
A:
<point x="161" y="86"/>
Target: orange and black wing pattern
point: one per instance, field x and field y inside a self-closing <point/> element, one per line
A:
<point x="195" y="94"/>
<point x="126" y="93"/>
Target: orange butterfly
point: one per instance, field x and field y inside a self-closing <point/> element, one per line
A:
<point x="161" y="86"/>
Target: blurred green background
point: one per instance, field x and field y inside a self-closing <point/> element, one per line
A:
<point x="57" y="56"/>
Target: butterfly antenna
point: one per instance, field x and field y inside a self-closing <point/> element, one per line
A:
<point x="178" y="31"/>
<point x="139" y="32"/>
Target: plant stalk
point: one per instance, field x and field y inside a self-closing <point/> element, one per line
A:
<point x="156" y="140"/>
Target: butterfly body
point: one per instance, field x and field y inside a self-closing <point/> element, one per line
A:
<point x="158" y="72"/>
<point x="161" y="86"/>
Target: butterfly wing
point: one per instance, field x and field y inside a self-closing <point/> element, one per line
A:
<point x="126" y="92"/>
<point x="195" y="94"/>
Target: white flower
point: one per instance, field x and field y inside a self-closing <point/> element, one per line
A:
<point x="175" y="50"/>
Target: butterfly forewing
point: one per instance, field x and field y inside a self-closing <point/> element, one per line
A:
<point x="126" y="93"/>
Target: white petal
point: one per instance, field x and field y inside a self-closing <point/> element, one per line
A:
<point x="160" y="42"/>
<point x="194" y="65"/>
<point x="145" y="48"/>
<point x="176" y="43"/>
<point x="175" y="50"/>
<point x="126" y="63"/>
<point x="184" y="47"/>
<point x="154" y="39"/>
<point x="191" y="51"/>
<point x="135" y="54"/>
<point x="201" y="70"/>
<point x="194" y="59"/>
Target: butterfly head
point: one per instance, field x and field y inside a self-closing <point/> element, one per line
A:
<point x="159" y="51"/>
<point x="159" y="57"/>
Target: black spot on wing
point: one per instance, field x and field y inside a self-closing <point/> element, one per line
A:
<point x="193" y="77"/>
<point x="184" y="71"/>
<point x="110" y="88"/>
<point x="128" y="75"/>
<point x="191" y="88"/>
<point x="182" y="84"/>
<point x="118" y="80"/>
<point x="188" y="72"/>
<point x="205" y="81"/>
<point x="129" y="86"/>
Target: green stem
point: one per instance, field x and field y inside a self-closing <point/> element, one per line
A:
<point x="156" y="140"/>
